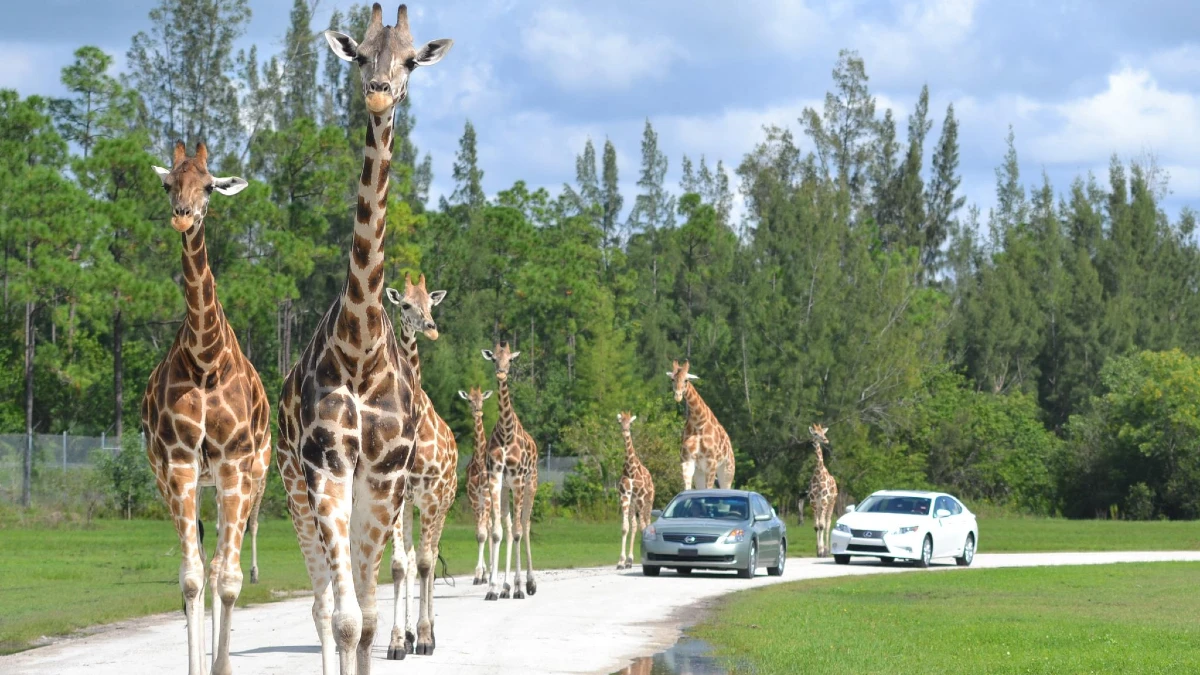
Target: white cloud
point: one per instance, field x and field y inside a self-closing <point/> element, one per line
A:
<point x="461" y="89"/>
<point x="921" y="30"/>
<point x="786" y="25"/>
<point x="22" y="67"/>
<point x="583" y="53"/>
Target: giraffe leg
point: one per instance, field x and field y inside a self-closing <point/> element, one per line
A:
<point x="725" y="472"/>
<point x="371" y="518"/>
<point x="329" y="497"/>
<point x="687" y="461"/>
<point x="507" y="504"/>
<point x="624" y="528"/>
<point x="261" y="489"/>
<point x="305" y="524"/>
<point x="179" y="488"/>
<point x="213" y="574"/>
<point x="801" y="511"/>
<point x="710" y="474"/>
<point x="481" y="539"/>
<point x="519" y="499"/>
<point x="627" y="563"/>
<point x="235" y="493"/>
<point x="431" y="533"/>
<point x="399" y="647"/>
<point x="496" y="482"/>
<point x="527" y="517"/>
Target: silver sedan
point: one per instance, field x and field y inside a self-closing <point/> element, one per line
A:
<point x="715" y="530"/>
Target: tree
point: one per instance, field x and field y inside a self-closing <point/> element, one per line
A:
<point x="100" y="105"/>
<point x="840" y="132"/>
<point x="653" y="208"/>
<point x="468" y="177"/>
<point x="910" y="191"/>
<point x="611" y="200"/>
<point x="415" y="174"/>
<point x="300" y="64"/>
<point x="942" y="200"/>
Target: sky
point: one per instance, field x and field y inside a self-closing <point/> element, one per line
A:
<point x="1078" y="80"/>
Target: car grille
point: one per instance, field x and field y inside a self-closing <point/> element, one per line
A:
<point x="661" y="557"/>
<point x="696" y="538"/>
<point x="867" y="548"/>
<point x="868" y="534"/>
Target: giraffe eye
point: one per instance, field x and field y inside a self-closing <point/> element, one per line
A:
<point x="166" y="187"/>
<point x="405" y="306"/>
<point x="208" y="188"/>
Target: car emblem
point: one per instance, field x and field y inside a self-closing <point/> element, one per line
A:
<point x="689" y="539"/>
<point x="868" y="534"/>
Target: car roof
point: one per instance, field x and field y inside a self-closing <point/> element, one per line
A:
<point x="716" y="493"/>
<point x="911" y="493"/>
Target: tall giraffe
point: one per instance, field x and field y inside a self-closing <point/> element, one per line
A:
<point x="479" y="490"/>
<point x="705" y="444"/>
<point x="432" y="482"/>
<point x="636" y="490"/>
<point x="512" y="470"/>
<point x="206" y="419"/>
<point x="822" y="492"/>
<point x="348" y="411"/>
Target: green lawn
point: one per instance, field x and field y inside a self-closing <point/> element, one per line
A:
<point x="1126" y="618"/>
<point x="60" y="580"/>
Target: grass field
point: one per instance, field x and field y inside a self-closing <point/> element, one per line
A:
<point x="63" y="579"/>
<point x="1128" y="618"/>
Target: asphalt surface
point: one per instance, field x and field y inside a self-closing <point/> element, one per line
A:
<point x="581" y="621"/>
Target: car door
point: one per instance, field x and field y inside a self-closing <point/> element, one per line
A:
<point x="944" y="535"/>
<point x="962" y="524"/>
<point x="768" y="544"/>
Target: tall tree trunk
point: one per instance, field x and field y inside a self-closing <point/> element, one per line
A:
<point x="118" y="368"/>
<point x="27" y="478"/>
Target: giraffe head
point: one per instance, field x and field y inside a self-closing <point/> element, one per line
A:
<point x="475" y="399"/>
<point x="818" y="435"/>
<point x="416" y="306"/>
<point x="189" y="185"/>
<point x="626" y="419"/>
<point x="386" y="57"/>
<point x="503" y="358"/>
<point x="679" y="377"/>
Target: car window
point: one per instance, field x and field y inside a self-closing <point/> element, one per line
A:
<point x="942" y="503"/>
<point x="763" y="506"/>
<point x="708" y="506"/>
<point x="917" y="506"/>
<point x="955" y="507"/>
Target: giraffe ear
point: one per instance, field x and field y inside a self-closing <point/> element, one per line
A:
<point x="437" y="296"/>
<point x="671" y="375"/>
<point x="692" y="377"/>
<point x="229" y="186"/>
<point x="487" y="354"/>
<point x="342" y="45"/>
<point x="394" y="296"/>
<point x="487" y="394"/>
<point x="631" y="419"/>
<point x="618" y="417"/>
<point x="433" y="51"/>
<point x="513" y="355"/>
<point x="461" y="394"/>
<point x="162" y="173"/>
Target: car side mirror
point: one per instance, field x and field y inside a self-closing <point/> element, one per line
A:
<point x="656" y="513"/>
<point x="762" y="516"/>
<point x="942" y="513"/>
<point x="850" y="508"/>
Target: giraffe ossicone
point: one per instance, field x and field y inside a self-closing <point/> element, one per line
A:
<point x="206" y="419"/>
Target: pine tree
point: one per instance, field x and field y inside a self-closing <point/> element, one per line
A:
<point x="653" y="208"/>
<point x="611" y="200"/>
<point x="882" y="174"/>
<point x="841" y="132"/>
<point x="333" y="101"/>
<point x="943" y="202"/>
<point x="417" y="175"/>
<point x="910" y="190"/>
<point x="99" y="107"/>
<point x="300" y="65"/>
<point x="468" y="177"/>
<point x="1011" y="208"/>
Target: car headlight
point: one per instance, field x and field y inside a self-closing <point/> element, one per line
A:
<point x="842" y="528"/>
<point x="649" y="534"/>
<point x="735" y="536"/>
<point x="906" y="530"/>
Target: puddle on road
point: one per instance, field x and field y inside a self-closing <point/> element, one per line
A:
<point x="688" y="657"/>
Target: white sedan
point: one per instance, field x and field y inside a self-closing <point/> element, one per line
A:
<point x="906" y="525"/>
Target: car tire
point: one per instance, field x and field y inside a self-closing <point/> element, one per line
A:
<point x="752" y="564"/>
<point x="968" y="552"/>
<point x="683" y="571"/>
<point x="841" y="559"/>
<point x="926" y="552"/>
<point x="651" y="570"/>
<point x="887" y="562"/>
<point x="777" y="571"/>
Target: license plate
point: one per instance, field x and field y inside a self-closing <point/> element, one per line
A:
<point x="688" y="551"/>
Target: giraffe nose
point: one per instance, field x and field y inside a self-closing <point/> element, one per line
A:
<point x="379" y="86"/>
<point x="429" y="325"/>
<point x="183" y="211"/>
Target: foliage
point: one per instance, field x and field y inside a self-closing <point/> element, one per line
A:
<point x="131" y="483"/>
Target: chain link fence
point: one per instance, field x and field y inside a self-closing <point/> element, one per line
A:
<point x="52" y="454"/>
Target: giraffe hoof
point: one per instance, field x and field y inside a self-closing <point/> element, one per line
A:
<point x="531" y="587"/>
<point x="490" y="596"/>
<point x="409" y="641"/>
<point x="504" y="594"/>
<point x="518" y="595"/>
<point x="254" y="575"/>
<point x="396" y="653"/>
<point x="620" y="565"/>
<point x="424" y="648"/>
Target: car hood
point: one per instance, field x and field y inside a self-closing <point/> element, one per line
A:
<point x="697" y="525"/>
<point x="881" y="521"/>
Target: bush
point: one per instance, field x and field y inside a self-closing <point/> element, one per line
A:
<point x="131" y="484"/>
<point x="1139" y="505"/>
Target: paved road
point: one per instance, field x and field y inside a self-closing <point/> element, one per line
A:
<point x="581" y="621"/>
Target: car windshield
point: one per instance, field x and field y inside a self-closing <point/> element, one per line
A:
<point x="917" y="506"/>
<point x="719" y="508"/>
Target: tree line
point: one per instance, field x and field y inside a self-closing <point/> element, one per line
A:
<point x="1039" y="357"/>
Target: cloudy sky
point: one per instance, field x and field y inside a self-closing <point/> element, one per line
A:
<point x="1077" y="79"/>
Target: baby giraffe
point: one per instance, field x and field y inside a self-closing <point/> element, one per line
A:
<point x="636" y="489"/>
<point x="822" y="492"/>
<point x="479" y="490"/>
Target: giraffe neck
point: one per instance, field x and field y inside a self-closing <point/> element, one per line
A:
<point x="408" y="350"/>
<point x="203" y="332"/>
<point x="508" y="417"/>
<point x="480" y="439"/>
<point x="361" y="322"/>
<point x="630" y="454"/>
<point x="695" y="405"/>
<point x="820" y="458"/>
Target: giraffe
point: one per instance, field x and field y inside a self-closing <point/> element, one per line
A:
<point x="705" y="444"/>
<point x="822" y="492"/>
<point x="512" y="469"/>
<point x="478" y="488"/>
<point x="636" y="489"/>
<point x="206" y="419"/>
<point x="432" y="482"/>
<point x="348" y="409"/>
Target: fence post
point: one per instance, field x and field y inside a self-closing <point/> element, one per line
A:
<point x="64" y="451"/>
<point x="27" y="470"/>
<point x="103" y="445"/>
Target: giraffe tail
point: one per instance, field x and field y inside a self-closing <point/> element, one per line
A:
<point x="445" y="575"/>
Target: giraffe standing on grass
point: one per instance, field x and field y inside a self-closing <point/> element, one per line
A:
<point x="705" y="445"/>
<point x="512" y="470"/>
<point x="206" y="419"/>
<point x="432" y="483"/>
<point x="636" y="490"/>
<point x="479" y="490"/>
<point x="349" y="410"/>
<point x="822" y="493"/>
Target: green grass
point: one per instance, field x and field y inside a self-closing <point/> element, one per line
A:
<point x="61" y="580"/>
<point x="1126" y="618"/>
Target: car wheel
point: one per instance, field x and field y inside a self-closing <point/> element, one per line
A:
<point x="968" y="552"/>
<point x="888" y="562"/>
<point x="752" y="564"/>
<point x="926" y="552"/>
<point x="651" y="570"/>
<point x="841" y="559"/>
<point x="683" y="571"/>
<point x="777" y="570"/>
